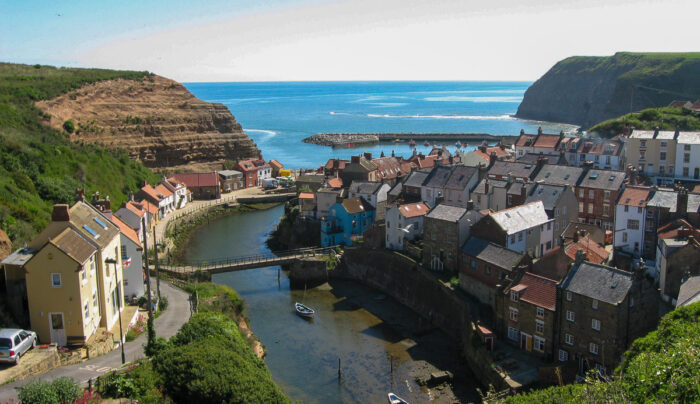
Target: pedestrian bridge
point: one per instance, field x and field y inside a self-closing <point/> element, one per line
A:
<point x="241" y="263"/>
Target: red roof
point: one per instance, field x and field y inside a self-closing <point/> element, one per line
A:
<point x="151" y="192"/>
<point x="151" y="208"/>
<point x="341" y="164"/>
<point x="410" y="210"/>
<point x="525" y="140"/>
<point x="678" y="228"/>
<point x="199" y="179"/>
<point x="136" y="207"/>
<point x="483" y="331"/>
<point x="163" y="190"/>
<point x="547" y="140"/>
<point x="335" y="183"/>
<point x="276" y="164"/>
<point x="246" y="165"/>
<point x="126" y="230"/>
<point x="595" y="253"/>
<point x="387" y="167"/>
<point x="634" y="196"/>
<point x="539" y="291"/>
<point x="306" y="195"/>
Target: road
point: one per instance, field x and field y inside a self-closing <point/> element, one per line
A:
<point x="167" y="325"/>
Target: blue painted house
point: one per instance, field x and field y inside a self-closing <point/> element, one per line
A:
<point x="346" y="219"/>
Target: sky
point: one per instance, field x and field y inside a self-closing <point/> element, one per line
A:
<point x="314" y="40"/>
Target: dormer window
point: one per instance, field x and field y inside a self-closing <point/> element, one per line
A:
<point x="514" y="295"/>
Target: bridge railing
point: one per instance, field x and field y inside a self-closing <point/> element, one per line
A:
<point x="206" y="265"/>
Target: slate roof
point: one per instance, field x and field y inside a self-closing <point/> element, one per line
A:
<point x="522" y="170"/>
<point x="531" y="158"/>
<point x="19" y="257"/>
<point x="559" y="175"/>
<point x="230" y="173"/>
<point x="396" y="190"/>
<point x="415" y="179"/>
<point x="689" y="292"/>
<point x="693" y="203"/>
<point x="356" y="205"/>
<point x="634" y="196"/>
<point x="538" y="290"/>
<point x="492" y="253"/>
<point x="516" y="188"/>
<point x="460" y="177"/>
<point x="600" y="282"/>
<point x="311" y="178"/>
<point x="447" y="213"/>
<point x="438" y="177"/>
<point x="74" y="245"/>
<point x="519" y="218"/>
<point x="129" y="218"/>
<point x="664" y="198"/>
<point x="410" y="210"/>
<point x="689" y="138"/>
<point x="365" y="187"/>
<point x="494" y="183"/>
<point x="82" y="214"/>
<point x="548" y="194"/>
<point x="608" y="180"/>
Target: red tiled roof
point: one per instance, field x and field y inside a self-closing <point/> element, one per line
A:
<point x="483" y="331"/>
<point x="499" y="152"/>
<point x="335" y="183"/>
<point x="525" y="140"/>
<point x="387" y="167"/>
<point x="163" y="190"/>
<point x="341" y="163"/>
<point x="151" y="208"/>
<point x="306" y="195"/>
<point x="410" y="210"/>
<point x="138" y="208"/>
<point x="634" y="196"/>
<point x="547" y="140"/>
<point x="595" y="253"/>
<point x="199" y="179"/>
<point x="672" y="230"/>
<point x="126" y="230"/>
<point x="540" y="291"/>
<point x="151" y="192"/>
<point x="246" y="165"/>
<point x="276" y="164"/>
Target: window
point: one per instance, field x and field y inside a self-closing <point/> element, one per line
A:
<point x="569" y="296"/>
<point x="549" y="225"/>
<point x="686" y="171"/>
<point x="520" y="236"/>
<point x="540" y="312"/>
<point x="563" y="355"/>
<point x="513" y="314"/>
<point x="513" y="333"/>
<point x="639" y="209"/>
<point x="83" y="276"/>
<point x="595" y="324"/>
<point x="124" y="254"/>
<point x="92" y="264"/>
<point x="594" y="304"/>
<point x="591" y="194"/>
<point x="570" y="315"/>
<point x="593" y="348"/>
<point x="686" y="147"/>
<point x="487" y="271"/>
<point x="624" y="237"/>
<point x="686" y="157"/>
<point x="569" y="339"/>
<point x="86" y="309"/>
<point x="91" y="231"/>
<point x="580" y="207"/>
<point x="539" y="343"/>
<point x="94" y="299"/>
<point x="549" y="245"/>
<point x="606" y="209"/>
<point x="563" y="210"/>
<point x="512" y="239"/>
<point x="663" y="144"/>
<point x="633" y="224"/>
<point x="627" y="208"/>
<point x="661" y="170"/>
<point x="539" y="326"/>
<point x="606" y="195"/>
<point x="641" y="154"/>
<point x="580" y="193"/>
<point x="662" y="156"/>
<point x="55" y="280"/>
<point x="590" y="208"/>
<point x="600" y="368"/>
<point x="473" y="264"/>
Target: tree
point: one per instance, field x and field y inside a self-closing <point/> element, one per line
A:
<point x="69" y="126"/>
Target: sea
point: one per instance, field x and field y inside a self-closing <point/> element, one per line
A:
<point x="278" y="115"/>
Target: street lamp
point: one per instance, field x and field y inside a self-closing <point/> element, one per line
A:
<point x="119" y="306"/>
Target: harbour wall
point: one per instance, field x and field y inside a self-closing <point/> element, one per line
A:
<point x="343" y="139"/>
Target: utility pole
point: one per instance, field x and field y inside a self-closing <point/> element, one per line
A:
<point x="155" y="248"/>
<point x="151" y="329"/>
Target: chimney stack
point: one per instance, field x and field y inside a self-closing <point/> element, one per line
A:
<point x="393" y="154"/>
<point x="80" y="194"/>
<point x="522" y="132"/>
<point x="539" y="131"/>
<point x="580" y="257"/>
<point x="470" y="204"/>
<point x="486" y="187"/>
<point x="677" y="132"/>
<point x="355" y="159"/>
<point x="61" y="213"/>
<point x="368" y="156"/>
<point x="682" y="202"/>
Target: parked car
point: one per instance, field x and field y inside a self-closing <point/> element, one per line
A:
<point x="14" y="343"/>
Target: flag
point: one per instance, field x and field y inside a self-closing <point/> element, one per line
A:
<point x="126" y="262"/>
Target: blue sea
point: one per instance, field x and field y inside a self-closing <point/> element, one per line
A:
<point x="278" y="115"/>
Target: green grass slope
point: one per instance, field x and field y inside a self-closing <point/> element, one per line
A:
<point x="664" y="118"/>
<point x="662" y="367"/>
<point x="38" y="166"/>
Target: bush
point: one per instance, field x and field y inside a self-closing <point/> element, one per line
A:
<point x="38" y="392"/>
<point x="163" y="303"/>
<point x="66" y="389"/>
<point x="117" y="385"/>
<point x="69" y="126"/>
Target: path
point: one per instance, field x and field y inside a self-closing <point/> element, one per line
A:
<point x="166" y="326"/>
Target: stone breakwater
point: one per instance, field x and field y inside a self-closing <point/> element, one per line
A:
<point x="349" y="139"/>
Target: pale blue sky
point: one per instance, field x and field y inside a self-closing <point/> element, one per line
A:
<point x="339" y="39"/>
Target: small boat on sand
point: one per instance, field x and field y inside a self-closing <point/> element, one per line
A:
<point x="303" y="311"/>
<point x="394" y="399"/>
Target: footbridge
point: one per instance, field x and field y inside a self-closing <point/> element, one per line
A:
<point x="241" y="263"/>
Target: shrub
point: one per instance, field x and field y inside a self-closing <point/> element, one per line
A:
<point x="117" y="385"/>
<point x="38" y="392"/>
<point x="66" y="389"/>
<point x="163" y="303"/>
<point x="69" y="126"/>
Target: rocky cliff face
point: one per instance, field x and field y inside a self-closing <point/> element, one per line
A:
<point x="159" y="122"/>
<point x="587" y="90"/>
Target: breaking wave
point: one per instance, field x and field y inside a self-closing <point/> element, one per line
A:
<point x="472" y="117"/>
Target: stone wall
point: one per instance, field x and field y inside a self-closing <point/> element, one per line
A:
<point x="403" y="279"/>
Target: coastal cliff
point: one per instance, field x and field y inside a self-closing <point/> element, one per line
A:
<point x="584" y="90"/>
<point x="156" y="120"/>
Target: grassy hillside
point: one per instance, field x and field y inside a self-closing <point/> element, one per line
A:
<point x="663" y="367"/>
<point x="664" y="118"/>
<point x="38" y="166"/>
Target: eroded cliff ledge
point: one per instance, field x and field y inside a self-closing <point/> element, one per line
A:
<point x="585" y="90"/>
<point x="157" y="120"/>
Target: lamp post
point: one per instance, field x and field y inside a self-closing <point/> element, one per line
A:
<point x="156" y="244"/>
<point x="119" y="306"/>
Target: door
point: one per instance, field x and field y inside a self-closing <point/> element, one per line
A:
<point x="58" y="329"/>
<point x="525" y="342"/>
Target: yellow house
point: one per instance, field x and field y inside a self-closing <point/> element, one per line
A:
<point x="74" y="279"/>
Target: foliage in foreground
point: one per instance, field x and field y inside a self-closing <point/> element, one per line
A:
<point x="664" y="118"/>
<point x="217" y="298"/>
<point x="38" y="165"/>
<point x="61" y="390"/>
<point x="662" y="367"/>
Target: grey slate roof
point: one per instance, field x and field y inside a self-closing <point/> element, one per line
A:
<point x="664" y="198"/>
<point x="396" y="191"/>
<point x="438" y="177"/>
<point x="516" y="169"/>
<point x="693" y="203"/>
<point x="415" y="179"/>
<point x="608" y="180"/>
<point x="531" y="158"/>
<point x="460" y="177"/>
<point x="559" y="175"/>
<point x="447" y="213"/>
<point x="516" y="188"/>
<point x="481" y="187"/>
<point x="689" y="292"/>
<point x="522" y="217"/>
<point x="491" y="253"/>
<point x="130" y="218"/>
<point x="600" y="282"/>
<point x="230" y="173"/>
<point x="365" y="187"/>
<point x="548" y="194"/>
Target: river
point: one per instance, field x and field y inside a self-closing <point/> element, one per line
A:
<point x="303" y="355"/>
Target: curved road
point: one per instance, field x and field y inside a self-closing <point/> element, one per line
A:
<point x="166" y="326"/>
